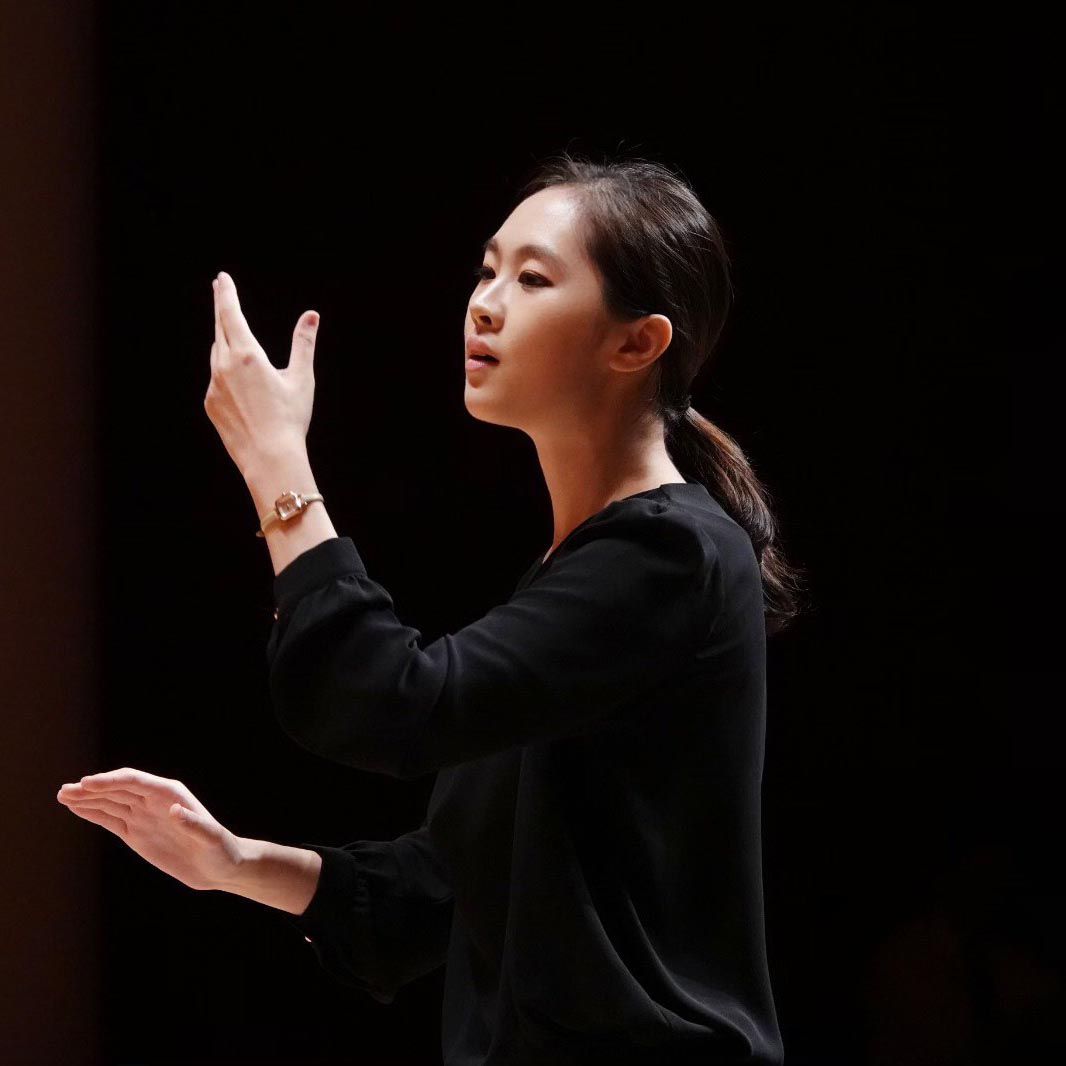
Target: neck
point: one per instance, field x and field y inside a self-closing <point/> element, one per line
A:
<point x="586" y="471"/>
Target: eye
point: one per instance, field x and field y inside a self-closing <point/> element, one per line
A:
<point x="483" y="271"/>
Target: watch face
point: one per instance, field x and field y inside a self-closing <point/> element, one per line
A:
<point x="288" y="504"/>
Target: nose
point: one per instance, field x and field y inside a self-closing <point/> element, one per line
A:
<point x="480" y="310"/>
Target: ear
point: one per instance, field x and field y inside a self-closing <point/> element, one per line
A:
<point x="643" y="341"/>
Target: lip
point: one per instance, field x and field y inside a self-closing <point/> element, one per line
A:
<point x="476" y="346"/>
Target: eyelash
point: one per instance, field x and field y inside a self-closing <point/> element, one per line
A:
<point x="479" y="273"/>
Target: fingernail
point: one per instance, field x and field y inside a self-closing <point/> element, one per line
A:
<point x="312" y="320"/>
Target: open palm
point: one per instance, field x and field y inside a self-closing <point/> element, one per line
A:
<point x="161" y="820"/>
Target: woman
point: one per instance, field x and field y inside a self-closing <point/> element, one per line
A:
<point x="589" y="867"/>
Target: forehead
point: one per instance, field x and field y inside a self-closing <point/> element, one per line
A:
<point x="543" y="225"/>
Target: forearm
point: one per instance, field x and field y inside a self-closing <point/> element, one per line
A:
<point x="267" y="479"/>
<point x="275" y="874"/>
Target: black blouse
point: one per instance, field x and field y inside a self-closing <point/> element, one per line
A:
<point x="589" y="869"/>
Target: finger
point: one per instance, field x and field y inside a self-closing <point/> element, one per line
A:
<point x="216" y="347"/>
<point x="137" y="781"/>
<point x="77" y="794"/>
<point x="105" y="804"/>
<point x="108" y="821"/>
<point x="138" y="795"/>
<point x="220" y="338"/>
<point x="302" y="355"/>
<point x="235" y="329"/>
<point x="127" y="775"/>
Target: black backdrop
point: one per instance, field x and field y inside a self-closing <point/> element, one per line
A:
<point x="353" y="162"/>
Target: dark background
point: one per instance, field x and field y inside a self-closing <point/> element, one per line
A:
<point x="890" y="268"/>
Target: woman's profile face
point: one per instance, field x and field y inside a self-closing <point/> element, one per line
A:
<point x="538" y="306"/>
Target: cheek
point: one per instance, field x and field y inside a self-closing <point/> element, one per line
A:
<point x="552" y="341"/>
<point x="557" y="332"/>
<point x="547" y="360"/>
<point x="552" y="373"/>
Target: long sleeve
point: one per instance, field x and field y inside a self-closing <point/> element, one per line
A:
<point x="381" y="914"/>
<point x="616" y="611"/>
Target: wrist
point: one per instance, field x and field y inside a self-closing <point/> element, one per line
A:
<point x="275" y="875"/>
<point x="269" y="476"/>
<point x="281" y="456"/>
<point x="242" y="873"/>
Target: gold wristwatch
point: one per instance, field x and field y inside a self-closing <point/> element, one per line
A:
<point x="286" y="506"/>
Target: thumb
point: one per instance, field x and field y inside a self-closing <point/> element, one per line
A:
<point x="302" y="356"/>
<point x="189" y="819"/>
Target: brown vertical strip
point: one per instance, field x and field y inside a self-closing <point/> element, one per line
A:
<point x="49" y="623"/>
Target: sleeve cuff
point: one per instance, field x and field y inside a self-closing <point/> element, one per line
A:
<point x="315" y="567"/>
<point x="340" y="890"/>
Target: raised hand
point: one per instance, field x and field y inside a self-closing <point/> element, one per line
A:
<point x="162" y="821"/>
<point x="259" y="412"/>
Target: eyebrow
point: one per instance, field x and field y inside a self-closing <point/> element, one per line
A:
<point x="536" y="251"/>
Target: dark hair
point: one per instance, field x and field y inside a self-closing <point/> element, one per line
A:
<point x="659" y="251"/>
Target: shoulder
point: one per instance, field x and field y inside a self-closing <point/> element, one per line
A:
<point x="633" y="580"/>
<point x="644" y="535"/>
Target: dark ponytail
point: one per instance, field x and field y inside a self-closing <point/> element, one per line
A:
<point x="659" y="251"/>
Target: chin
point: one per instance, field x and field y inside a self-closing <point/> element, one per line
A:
<point x="484" y="407"/>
